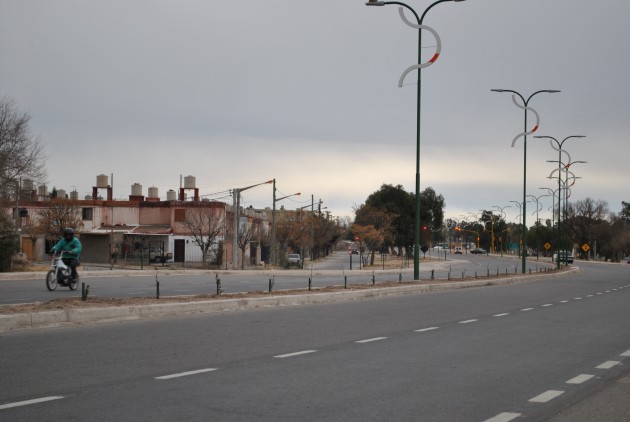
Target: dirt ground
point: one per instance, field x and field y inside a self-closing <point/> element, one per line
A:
<point x="103" y="302"/>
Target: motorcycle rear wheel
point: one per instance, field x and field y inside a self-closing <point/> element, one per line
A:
<point x="73" y="284"/>
<point x="51" y="280"/>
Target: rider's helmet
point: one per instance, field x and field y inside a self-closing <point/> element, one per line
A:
<point x="68" y="234"/>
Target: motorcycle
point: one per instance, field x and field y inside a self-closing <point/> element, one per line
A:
<point x="60" y="275"/>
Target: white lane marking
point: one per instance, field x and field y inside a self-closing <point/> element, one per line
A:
<point x="589" y="295"/>
<point x="608" y="364"/>
<point x="526" y="309"/>
<point x="599" y="293"/>
<point x="504" y="417"/>
<point x="288" y="355"/>
<point x="27" y="402"/>
<point x="614" y="290"/>
<point x="468" y="321"/>
<point x="547" y="304"/>
<point x="185" y="374"/>
<point x="577" y="298"/>
<point x="546" y="396"/>
<point x="626" y="353"/>
<point x="503" y="314"/>
<point x="369" y="340"/>
<point x="607" y="291"/>
<point x="563" y="301"/>
<point x="580" y="379"/>
<point x="426" y="329"/>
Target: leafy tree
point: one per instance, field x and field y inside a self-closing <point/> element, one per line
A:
<point x="625" y="211"/>
<point x="21" y="154"/>
<point x="371" y="237"/>
<point x="400" y="207"/>
<point x="587" y="220"/>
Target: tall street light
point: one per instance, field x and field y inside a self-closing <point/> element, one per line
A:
<point x="525" y="107"/>
<point x="557" y="146"/>
<point x="521" y="208"/>
<point x="419" y="26"/>
<point x="236" y="204"/>
<point x="501" y="215"/>
<point x="273" y="220"/>
<point x="564" y="167"/>
<point x="538" y="208"/>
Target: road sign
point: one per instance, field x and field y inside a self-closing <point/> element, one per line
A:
<point x="585" y="247"/>
<point x="547" y="246"/>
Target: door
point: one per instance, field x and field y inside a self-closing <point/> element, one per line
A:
<point x="180" y="250"/>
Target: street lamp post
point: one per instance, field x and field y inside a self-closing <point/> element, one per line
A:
<point x="236" y="203"/>
<point x="557" y="146"/>
<point x="521" y="210"/>
<point x="419" y="26"/>
<point x="502" y="215"/>
<point x="538" y="208"/>
<point x="524" y="134"/>
<point x="565" y="183"/>
<point x="273" y="220"/>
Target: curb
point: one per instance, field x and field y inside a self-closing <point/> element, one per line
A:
<point x="9" y="322"/>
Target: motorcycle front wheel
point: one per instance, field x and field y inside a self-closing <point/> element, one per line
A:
<point x="51" y="280"/>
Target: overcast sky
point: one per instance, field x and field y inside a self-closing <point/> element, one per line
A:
<point x="241" y="91"/>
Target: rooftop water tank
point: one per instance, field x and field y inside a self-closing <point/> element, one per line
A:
<point x="136" y="189"/>
<point x="27" y="184"/>
<point x="190" y="182"/>
<point x="61" y="193"/>
<point x="171" y="195"/>
<point x="42" y="190"/>
<point x="102" y="181"/>
<point x="153" y="192"/>
<point x="74" y="195"/>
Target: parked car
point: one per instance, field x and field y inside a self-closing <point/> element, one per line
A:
<point x="565" y="256"/>
<point x="294" y="259"/>
<point x="458" y="250"/>
<point x="478" y="251"/>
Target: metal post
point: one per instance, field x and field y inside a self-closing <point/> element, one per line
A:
<point x="273" y="226"/>
<point x="235" y="204"/>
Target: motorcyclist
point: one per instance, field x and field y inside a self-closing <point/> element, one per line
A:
<point x="70" y="249"/>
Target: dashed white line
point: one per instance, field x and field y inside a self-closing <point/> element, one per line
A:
<point x="608" y="364"/>
<point x="589" y="295"/>
<point x="468" y="321"/>
<point x="577" y="298"/>
<point x="288" y="355"/>
<point x="580" y="379"/>
<point x="185" y="374"/>
<point x="607" y="291"/>
<point x="546" y="396"/>
<point x="369" y="340"/>
<point x="422" y="330"/>
<point x="563" y="301"/>
<point x="503" y="314"/>
<point x="599" y="293"/>
<point x="547" y="304"/>
<point x="626" y="353"/>
<point x="504" y="417"/>
<point x="526" y="309"/>
<point x="27" y="402"/>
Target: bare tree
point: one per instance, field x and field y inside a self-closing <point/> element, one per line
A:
<point x="21" y="153"/>
<point x="57" y="216"/>
<point x="246" y="233"/>
<point x="205" y="225"/>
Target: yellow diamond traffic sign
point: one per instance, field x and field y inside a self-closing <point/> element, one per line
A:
<point x="585" y="247"/>
<point x="547" y="245"/>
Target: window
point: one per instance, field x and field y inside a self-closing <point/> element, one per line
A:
<point x="180" y="215"/>
<point x="86" y="214"/>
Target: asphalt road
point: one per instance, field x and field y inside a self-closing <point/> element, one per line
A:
<point x="325" y="273"/>
<point x="522" y="352"/>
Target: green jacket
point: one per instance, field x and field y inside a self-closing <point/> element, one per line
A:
<point x="72" y="248"/>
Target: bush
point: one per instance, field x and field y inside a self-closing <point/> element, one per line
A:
<point x="9" y="242"/>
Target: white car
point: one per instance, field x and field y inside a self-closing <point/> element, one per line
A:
<point x="294" y="258"/>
